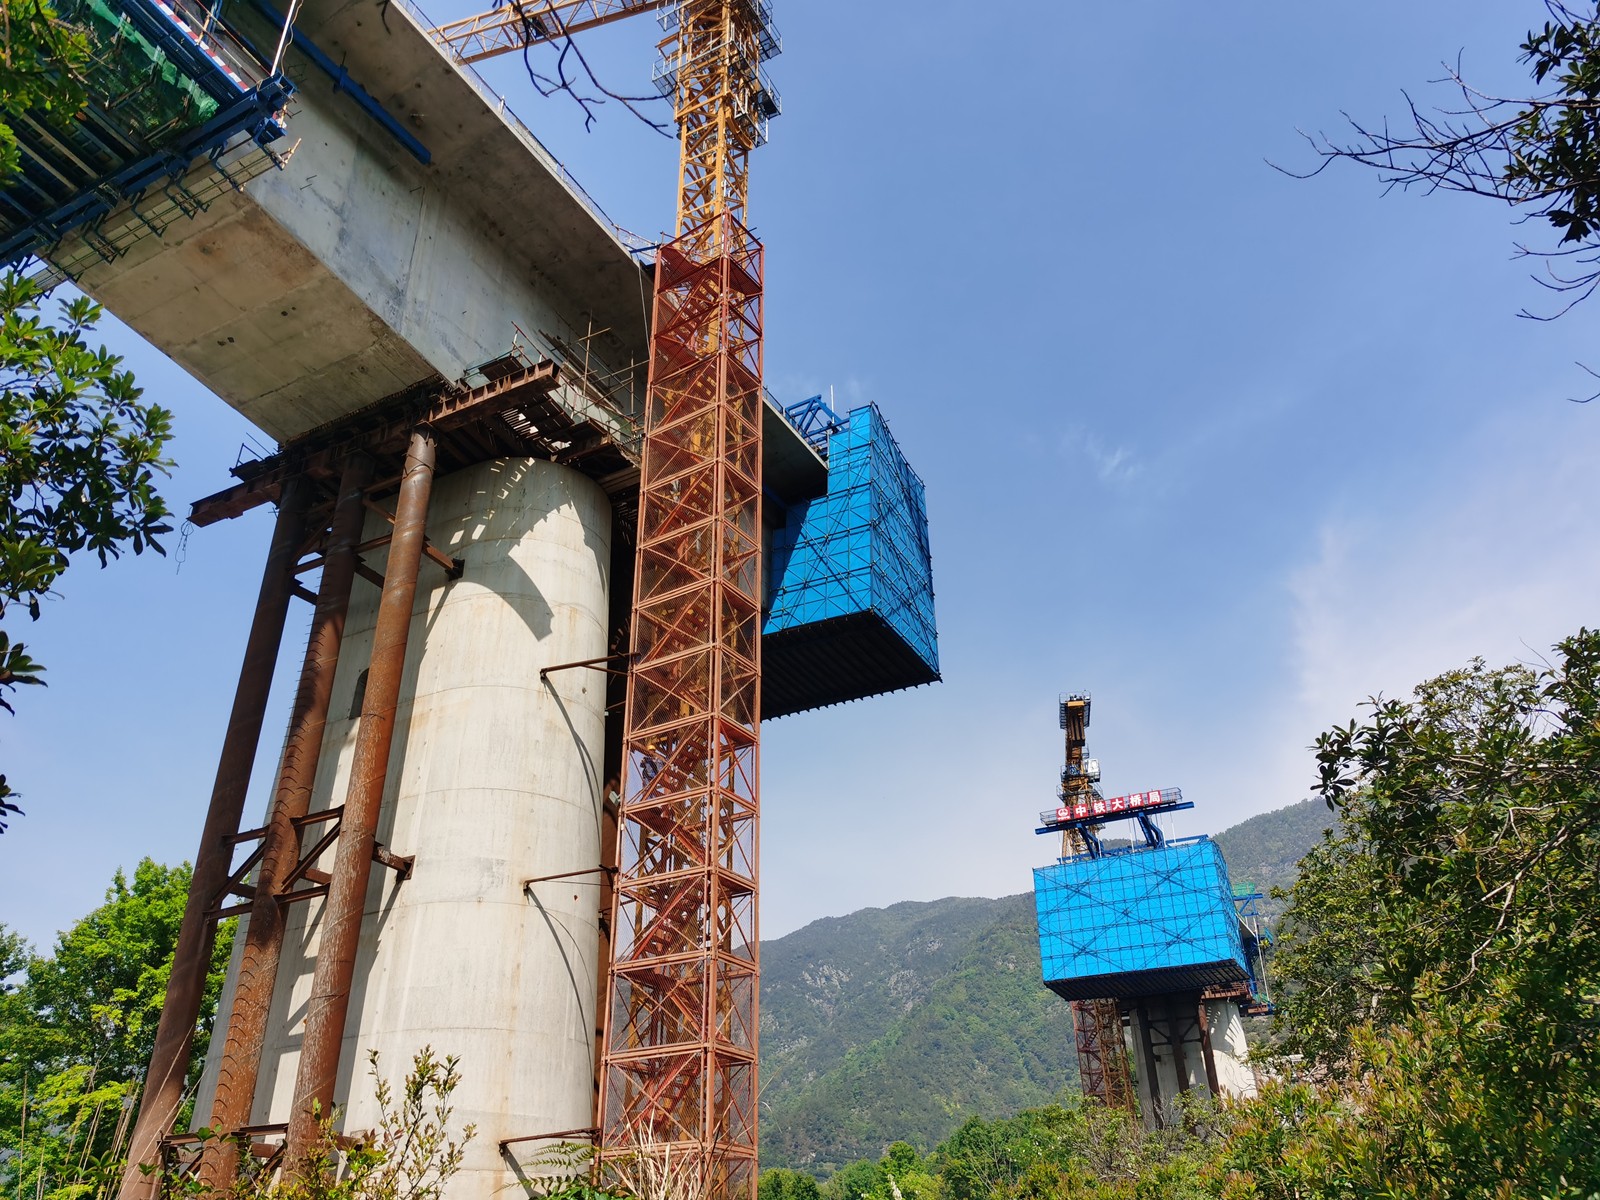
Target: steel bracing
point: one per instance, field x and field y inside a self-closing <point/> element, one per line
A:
<point x="1102" y="1057"/>
<point x="1096" y="1024"/>
<point x="514" y="25"/>
<point x="679" y="1034"/>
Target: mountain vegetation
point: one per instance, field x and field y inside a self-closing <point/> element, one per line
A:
<point x="1265" y="851"/>
<point x="896" y="1024"/>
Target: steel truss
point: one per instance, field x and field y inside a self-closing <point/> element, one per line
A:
<point x="679" y="1061"/>
<point x="1096" y="1024"/>
<point x="1102" y="1054"/>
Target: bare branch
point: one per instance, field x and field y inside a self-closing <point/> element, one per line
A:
<point x="536" y="27"/>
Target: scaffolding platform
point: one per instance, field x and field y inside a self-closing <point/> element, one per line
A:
<point x="851" y="601"/>
<point x="169" y="86"/>
<point x="1140" y="922"/>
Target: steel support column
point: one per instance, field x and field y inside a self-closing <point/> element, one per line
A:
<point x="1205" y="1048"/>
<point x="213" y="861"/>
<point x="1148" y="1069"/>
<point x="263" y="933"/>
<point x="346" y="904"/>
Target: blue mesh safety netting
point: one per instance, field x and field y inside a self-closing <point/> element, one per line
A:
<point x="1168" y="911"/>
<point x="863" y="547"/>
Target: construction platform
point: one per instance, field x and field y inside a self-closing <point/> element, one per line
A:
<point x="851" y="579"/>
<point x="1140" y="922"/>
<point x="170" y="91"/>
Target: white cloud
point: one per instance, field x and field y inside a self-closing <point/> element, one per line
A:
<point x="1496" y="556"/>
<point x="1112" y="464"/>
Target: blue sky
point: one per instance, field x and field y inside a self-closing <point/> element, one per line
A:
<point x="1230" y="450"/>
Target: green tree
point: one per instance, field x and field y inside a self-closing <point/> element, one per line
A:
<point x="41" y="59"/>
<point x="411" y="1155"/>
<point x="1540" y="153"/>
<point x="78" y="452"/>
<point x="779" y="1184"/>
<point x="1443" y="953"/>
<point x="76" y="1027"/>
<point x="79" y="455"/>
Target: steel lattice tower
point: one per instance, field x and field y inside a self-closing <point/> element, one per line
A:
<point x="1097" y="1024"/>
<point x="679" y="1065"/>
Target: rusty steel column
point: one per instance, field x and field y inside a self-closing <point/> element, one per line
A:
<point x="263" y="934"/>
<point x="347" y="896"/>
<point x="1205" y="1049"/>
<point x="213" y="861"/>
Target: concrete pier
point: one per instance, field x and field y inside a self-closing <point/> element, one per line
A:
<point x="495" y="779"/>
<point x="1181" y="1043"/>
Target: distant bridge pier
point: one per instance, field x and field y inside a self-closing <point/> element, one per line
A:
<point x="1157" y="954"/>
<point x="1183" y="1042"/>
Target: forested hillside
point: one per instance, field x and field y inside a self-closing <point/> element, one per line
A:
<point x="898" y="1023"/>
<point x="1266" y="850"/>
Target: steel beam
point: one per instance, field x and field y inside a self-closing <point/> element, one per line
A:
<point x="347" y="894"/>
<point x="380" y="435"/>
<point x="263" y="940"/>
<point x="213" y="861"/>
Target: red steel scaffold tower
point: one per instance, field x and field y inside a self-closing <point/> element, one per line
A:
<point x="678" y="1071"/>
<point x="680" y="1027"/>
<point x="1096" y="1024"/>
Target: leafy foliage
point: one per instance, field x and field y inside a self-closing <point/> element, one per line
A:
<point x="1080" y="1151"/>
<point x="41" y="59"/>
<point x="78" y="452"/>
<point x="411" y="1155"/>
<point x="79" y="455"/>
<point x="1445" y="948"/>
<point x="77" y="1028"/>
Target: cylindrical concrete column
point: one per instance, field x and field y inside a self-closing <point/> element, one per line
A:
<point x="347" y="895"/>
<point x="496" y="778"/>
<point x="213" y="862"/>
<point x="263" y="932"/>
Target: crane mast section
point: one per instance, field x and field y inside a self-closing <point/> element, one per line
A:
<point x="679" y="1036"/>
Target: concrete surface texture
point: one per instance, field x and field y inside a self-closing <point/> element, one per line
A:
<point x="1229" y="1050"/>
<point x="1163" y="1032"/>
<point x="495" y="778"/>
<point x="357" y="271"/>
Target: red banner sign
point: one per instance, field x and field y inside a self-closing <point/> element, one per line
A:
<point x="1116" y="804"/>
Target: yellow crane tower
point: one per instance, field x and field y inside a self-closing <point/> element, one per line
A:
<point x="1097" y="1024"/>
<point x="678" y="1039"/>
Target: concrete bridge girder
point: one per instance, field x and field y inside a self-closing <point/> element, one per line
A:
<point x="356" y="270"/>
